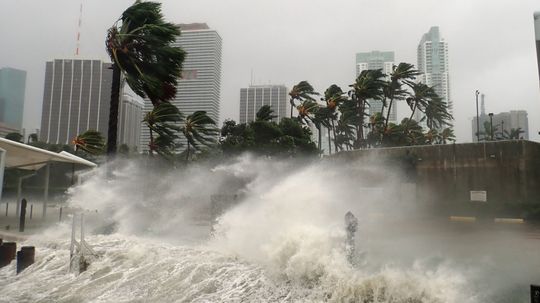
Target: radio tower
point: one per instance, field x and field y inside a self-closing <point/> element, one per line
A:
<point x="79" y="32"/>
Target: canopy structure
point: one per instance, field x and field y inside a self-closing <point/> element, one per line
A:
<point x="22" y="156"/>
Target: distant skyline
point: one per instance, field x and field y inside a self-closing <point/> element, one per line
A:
<point x="491" y="44"/>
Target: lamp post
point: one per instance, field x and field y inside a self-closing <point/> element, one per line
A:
<point x="477" y="118"/>
<point x="491" y="125"/>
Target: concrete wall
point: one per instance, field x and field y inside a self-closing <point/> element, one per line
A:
<point x="445" y="174"/>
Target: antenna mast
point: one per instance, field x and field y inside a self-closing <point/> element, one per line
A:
<point x="79" y="31"/>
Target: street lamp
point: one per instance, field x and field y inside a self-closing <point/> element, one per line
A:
<point x="477" y="118"/>
<point x="491" y="124"/>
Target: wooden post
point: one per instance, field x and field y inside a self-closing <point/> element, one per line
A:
<point x="25" y="257"/>
<point x="7" y="253"/>
<point x="23" y="215"/>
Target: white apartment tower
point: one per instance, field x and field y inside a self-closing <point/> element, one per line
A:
<point x="377" y="60"/>
<point x="199" y="87"/>
<point x="255" y="96"/>
<point x="433" y="63"/>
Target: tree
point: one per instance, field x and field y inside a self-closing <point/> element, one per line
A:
<point x="368" y="86"/>
<point x="421" y="95"/>
<point x="402" y="73"/>
<point x="163" y="121"/>
<point x="140" y="46"/>
<point x="32" y="138"/>
<point x="265" y="113"/>
<point x="303" y="91"/>
<point x="333" y="96"/>
<point x="199" y="129"/>
<point x="14" y="137"/>
<point x="90" y="141"/>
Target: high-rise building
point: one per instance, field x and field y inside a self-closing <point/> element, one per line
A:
<point x="505" y="124"/>
<point x="377" y="60"/>
<point x="76" y="98"/>
<point x="199" y="88"/>
<point x="255" y="96"/>
<point x="537" y="35"/>
<point x="130" y="120"/>
<point x="432" y="54"/>
<point x="12" y="89"/>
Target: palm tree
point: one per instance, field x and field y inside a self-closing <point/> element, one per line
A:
<point x="334" y="98"/>
<point x="32" y="138"/>
<point x="199" y="129"/>
<point x="302" y="91"/>
<point x="393" y="90"/>
<point x="368" y="86"/>
<point x="163" y="120"/>
<point x="514" y="133"/>
<point x="140" y="46"/>
<point x="446" y="135"/>
<point x="265" y="113"/>
<point x="421" y="95"/>
<point x="90" y="141"/>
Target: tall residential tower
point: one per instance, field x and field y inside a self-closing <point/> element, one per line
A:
<point x="255" y="96"/>
<point x="199" y="88"/>
<point x="432" y="54"/>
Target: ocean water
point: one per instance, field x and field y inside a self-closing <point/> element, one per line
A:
<point x="158" y="238"/>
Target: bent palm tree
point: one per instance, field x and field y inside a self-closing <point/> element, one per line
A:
<point x="401" y="73"/>
<point x="90" y="141"/>
<point x="140" y="47"/>
<point x="265" y="113"/>
<point x="368" y="85"/>
<point x="199" y="129"/>
<point x="163" y="120"/>
<point x="303" y="91"/>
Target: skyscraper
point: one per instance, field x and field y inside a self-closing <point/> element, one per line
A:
<point x="433" y="63"/>
<point x="255" y="96"/>
<point x="130" y="120"/>
<point x="376" y="60"/>
<point x="12" y="89"/>
<point x="199" y="88"/>
<point x="537" y="35"/>
<point x="76" y="98"/>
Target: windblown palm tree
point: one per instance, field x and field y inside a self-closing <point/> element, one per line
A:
<point x="265" y="113"/>
<point x="90" y="141"/>
<point x="402" y="73"/>
<point x="334" y="98"/>
<point x="436" y="114"/>
<point x="303" y="91"/>
<point x="140" y="46"/>
<point x="419" y="99"/>
<point x="199" y="129"/>
<point x="368" y="86"/>
<point x="163" y="121"/>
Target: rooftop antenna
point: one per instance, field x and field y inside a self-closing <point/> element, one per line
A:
<point x="79" y="31"/>
<point x="251" y="81"/>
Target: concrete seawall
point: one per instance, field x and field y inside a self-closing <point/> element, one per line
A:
<point x="508" y="171"/>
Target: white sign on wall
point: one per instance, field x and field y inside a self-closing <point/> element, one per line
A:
<point x="479" y="195"/>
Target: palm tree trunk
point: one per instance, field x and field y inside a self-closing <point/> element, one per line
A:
<point x="409" y="121"/>
<point x="388" y="114"/>
<point x="329" y="142"/>
<point x="151" y="149"/>
<point x="113" y="111"/>
<point x="291" y="102"/>
<point x="187" y="151"/>
<point x="320" y="138"/>
<point x="334" y="133"/>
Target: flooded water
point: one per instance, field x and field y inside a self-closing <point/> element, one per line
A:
<point x="158" y="238"/>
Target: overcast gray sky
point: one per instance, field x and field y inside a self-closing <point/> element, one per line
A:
<point x="491" y="44"/>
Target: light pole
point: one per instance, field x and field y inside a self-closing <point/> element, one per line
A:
<point x="502" y="129"/>
<point x="491" y="124"/>
<point x="477" y="118"/>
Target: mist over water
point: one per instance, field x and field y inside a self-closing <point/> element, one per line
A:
<point x="281" y="239"/>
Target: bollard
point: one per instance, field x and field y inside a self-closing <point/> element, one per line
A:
<point x="7" y="253"/>
<point x="25" y="257"/>
<point x="60" y="215"/>
<point x="22" y="219"/>
<point x="31" y="210"/>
